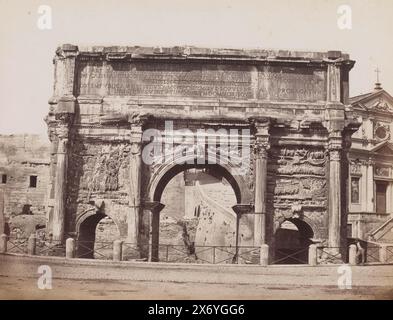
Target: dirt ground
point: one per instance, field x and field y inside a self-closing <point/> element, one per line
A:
<point x="18" y="280"/>
<point x="26" y="288"/>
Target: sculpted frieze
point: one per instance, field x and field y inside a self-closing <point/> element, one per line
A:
<point x="298" y="176"/>
<point x="104" y="175"/>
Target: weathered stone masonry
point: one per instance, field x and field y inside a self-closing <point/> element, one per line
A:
<point x="294" y="103"/>
<point x="24" y="164"/>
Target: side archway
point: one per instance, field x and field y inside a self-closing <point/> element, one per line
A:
<point x="87" y="228"/>
<point x="291" y="242"/>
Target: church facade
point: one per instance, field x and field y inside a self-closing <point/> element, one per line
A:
<point x="371" y="167"/>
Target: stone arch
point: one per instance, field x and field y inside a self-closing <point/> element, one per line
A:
<point x="166" y="171"/>
<point x="86" y="225"/>
<point x="291" y="245"/>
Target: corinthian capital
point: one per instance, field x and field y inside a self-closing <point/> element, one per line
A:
<point x="63" y="124"/>
<point x="138" y="119"/>
<point x="261" y="125"/>
<point x="261" y="146"/>
<point x="261" y="128"/>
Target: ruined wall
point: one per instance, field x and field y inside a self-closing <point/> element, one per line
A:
<point x="22" y="156"/>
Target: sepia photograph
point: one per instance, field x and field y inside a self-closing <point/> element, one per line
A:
<point x="196" y="150"/>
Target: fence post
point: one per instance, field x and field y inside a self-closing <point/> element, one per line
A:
<point x="312" y="255"/>
<point x="352" y="254"/>
<point x="117" y="250"/>
<point x="31" y="244"/>
<point x="264" y="255"/>
<point x="3" y="243"/>
<point x="70" y="248"/>
<point x="383" y="254"/>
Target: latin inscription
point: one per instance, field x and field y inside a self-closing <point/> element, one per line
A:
<point x="236" y="82"/>
<point x="299" y="84"/>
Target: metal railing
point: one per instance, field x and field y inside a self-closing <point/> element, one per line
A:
<point x="389" y="254"/>
<point x="171" y="253"/>
<point x="17" y="245"/>
<point x="329" y="255"/>
<point x="290" y="256"/>
<point x="94" y="250"/>
<point x="53" y="248"/>
<point x="372" y="254"/>
<point x="179" y="253"/>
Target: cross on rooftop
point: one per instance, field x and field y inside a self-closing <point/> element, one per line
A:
<point x="377" y="71"/>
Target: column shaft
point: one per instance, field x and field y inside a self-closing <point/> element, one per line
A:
<point x="154" y="236"/>
<point x="60" y="188"/>
<point x="155" y="208"/>
<point x="334" y="198"/>
<point x="135" y="179"/>
<point x="260" y="198"/>
<point x="260" y="176"/>
<point x="370" y="187"/>
<point x="135" y="182"/>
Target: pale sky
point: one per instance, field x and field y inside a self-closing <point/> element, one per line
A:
<point x="26" y="52"/>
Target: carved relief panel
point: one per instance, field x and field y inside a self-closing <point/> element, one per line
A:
<point x="297" y="183"/>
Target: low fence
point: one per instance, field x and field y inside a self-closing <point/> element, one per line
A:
<point x="168" y="253"/>
<point x="329" y="255"/>
<point x="208" y="254"/>
<point x="35" y="246"/>
<point x="50" y="248"/>
<point x="290" y="256"/>
<point x="94" y="250"/>
<point x="389" y="254"/>
<point x="371" y="254"/>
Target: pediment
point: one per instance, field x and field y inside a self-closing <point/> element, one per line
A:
<point x="380" y="101"/>
<point x="386" y="151"/>
<point x="384" y="148"/>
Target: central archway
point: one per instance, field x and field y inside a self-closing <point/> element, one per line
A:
<point x="167" y="173"/>
<point x="176" y="169"/>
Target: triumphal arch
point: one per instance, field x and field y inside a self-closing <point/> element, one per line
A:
<point x="123" y="121"/>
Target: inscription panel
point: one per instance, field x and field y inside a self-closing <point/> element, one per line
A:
<point x="236" y="82"/>
<point x="166" y="79"/>
<point x="286" y="83"/>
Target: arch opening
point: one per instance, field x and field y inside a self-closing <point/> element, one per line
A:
<point x="198" y="210"/>
<point x="291" y="242"/>
<point x="95" y="230"/>
<point x="215" y="169"/>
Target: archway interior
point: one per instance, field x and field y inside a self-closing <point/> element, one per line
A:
<point x="94" y="231"/>
<point x="198" y="211"/>
<point x="216" y="169"/>
<point x="291" y="242"/>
